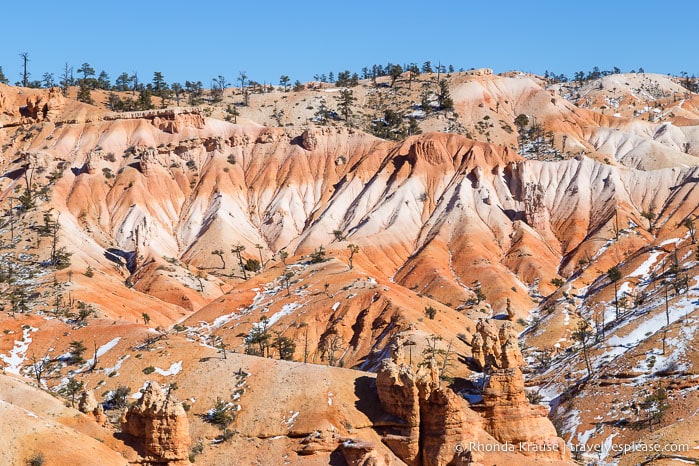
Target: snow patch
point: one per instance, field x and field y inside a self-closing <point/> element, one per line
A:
<point x="174" y="369"/>
<point x="644" y="269"/>
<point x="286" y="310"/>
<point x="107" y="346"/>
<point x="117" y="366"/>
<point x="289" y="422"/>
<point x="18" y="354"/>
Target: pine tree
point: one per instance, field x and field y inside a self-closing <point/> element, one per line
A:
<point x="84" y="93"/>
<point x="177" y="90"/>
<point x="3" y="79"/>
<point x="395" y="71"/>
<point x="86" y="70"/>
<point x="443" y="97"/>
<point x="47" y="79"/>
<point x="144" y="100"/>
<point x="159" y="84"/>
<point x="103" y="81"/>
<point x="346" y="99"/>
<point x="284" y="82"/>
<point x="122" y="82"/>
<point x="614" y="275"/>
<point x="218" y="85"/>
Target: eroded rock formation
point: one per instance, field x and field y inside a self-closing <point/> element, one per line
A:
<point x="507" y="413"/>
<point x="87" y="404"/>
<point x="399" y="397"/>
<point x="363" y="454"/>
<point x="427" y="421"/>
<point x="160" y="423"/>
<point x="444" y="424"/>
<point x="45" y="107"/>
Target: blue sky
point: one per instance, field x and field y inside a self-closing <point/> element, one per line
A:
<point x="190" y="40"/>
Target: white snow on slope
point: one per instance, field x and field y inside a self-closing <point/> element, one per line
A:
<point x="18" y="354"/>
<point x="618" y="345"/>
<point x="174" y="369"/>
<point x="644" y="269"/>
<point x="286" y="310"/>
<point x="107" y="346"/>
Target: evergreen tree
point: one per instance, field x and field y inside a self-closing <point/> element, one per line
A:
<point x="159" y="84"/>
<point x="443" y="97"/>
<point x="218" y="85"/>
<point x="177" y="90"/>
<point x="195" y="91"/>
<point x="122" y="82"/>
<point x="77" y="349"/>
<point x="284" y="82"/>
<point x="144" y="100"/>
<point x="614" y="275"/>
<point x="395" y="71"/>
<point x="232" y="113"/>
<point x="71" y="389"/>
<point x="47" y="79"/>
<point x="285" y="346"/>
<point x="103" y="81"/>
<point x="3" y="79"/>
<point x="84" y="93"/>
<point x="346" y="99"/>
<point x="86" y="70"/>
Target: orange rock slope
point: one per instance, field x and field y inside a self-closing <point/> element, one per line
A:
<point x="165" y="240"/>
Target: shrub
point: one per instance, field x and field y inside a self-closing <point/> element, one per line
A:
<point x="557" y="282"/>
<point x="221" y="414"/>
<point x="36" y="460"/>
<point x="318" y="256"/>
<point x="430" y="312"/>
<point x="148" y="370"/>
<point x="252" y="265"/>
<point x="117" y="399"/>
<point x="196" y="450"/>
<point x="534" y="397"/>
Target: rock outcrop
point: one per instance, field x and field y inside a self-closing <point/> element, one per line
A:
<point x="444" y="425"/>
<point x="363" y="454"/>
<point x="45" y="107"/>
<point x="399" y="397"/>
<point x="147" y="158"/>
<point x="507" y="413"/>
<point x="428" y="421"/>
<point x="170" y="120"/>
<point x="160" y="423"/>
<point x="87" y="404"/>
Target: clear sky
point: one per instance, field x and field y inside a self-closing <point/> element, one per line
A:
<point x="198" y="40"/>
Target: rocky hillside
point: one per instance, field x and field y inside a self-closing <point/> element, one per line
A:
<point x="173" y="247"/>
